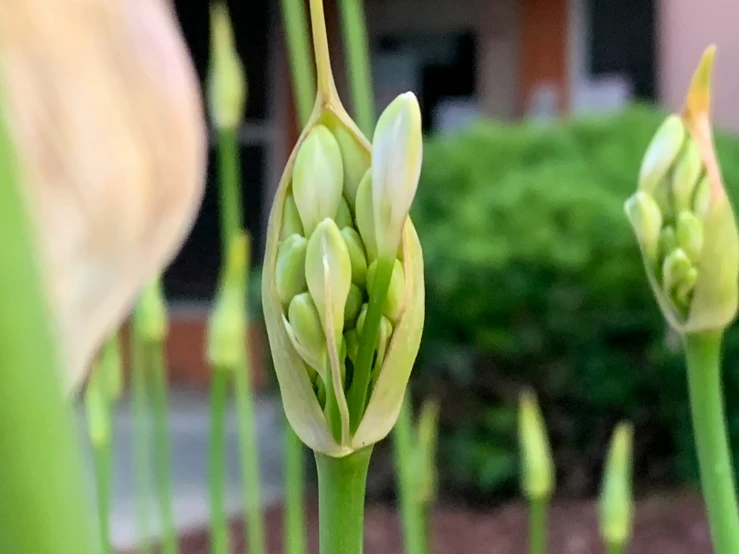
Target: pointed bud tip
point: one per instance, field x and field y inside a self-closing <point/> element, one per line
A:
<point x="699" y="94"/>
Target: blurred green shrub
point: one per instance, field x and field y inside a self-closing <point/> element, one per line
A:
<point x="533" y="278"/>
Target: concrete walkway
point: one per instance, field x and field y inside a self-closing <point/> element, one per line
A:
<point x="189" y="422"/>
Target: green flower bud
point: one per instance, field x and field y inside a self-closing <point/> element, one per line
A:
<point x="428" y="438"/>
<point x="396" y="168"/>
<point x="227" y="324"/>
<point x="351" y="337"/>
<point x="353" y="304"/>
<point x="688" y="168"/>
<point x="356" y="254"/>
<point x="616" y="501"/>
<point x="328" y="271"/>
<point x="689" y="235"/>
<point x="396" y="292"/>
<point x="356" y="161"/>
<point x="344" y="215"/>
<point x="318" y="178"/>
<point x="290" y="275"/>
<point x="227" y="90"/>
<point x="316" y="405"/>
<point x="306" y="331"/>
<point x="537" y="466"/>
<point x="111" y="367"/>
<point x="383" y="337"/>
<point x="646" y="217"/>
<point x="291" y="224"/>
<point x="150" y="317"/>
<point x="661" y="154"/>
<point x="695" y="275"/>
<point x="99" y="424"/>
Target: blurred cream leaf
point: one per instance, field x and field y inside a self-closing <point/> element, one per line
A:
<point x="104" y="109"/>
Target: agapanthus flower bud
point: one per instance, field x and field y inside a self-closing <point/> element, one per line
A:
<point x="291" y="268"/>
<point x="328" y="272"/>
<point x="104" y="112"/>
<point x="396" y="168"/>
<point x="315" y="339"/>
<point x="395" y="293"/>
<point x="318" y="178"/>
<point x="616" y="500"/>
<point x="537" y="466"/>
<point x="227" y="85"/>
<point x="694" y="267"/>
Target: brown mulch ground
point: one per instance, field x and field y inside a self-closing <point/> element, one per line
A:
<point x="672" y="523"/>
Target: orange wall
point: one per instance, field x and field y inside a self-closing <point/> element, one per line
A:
<point x="543" y="49"/>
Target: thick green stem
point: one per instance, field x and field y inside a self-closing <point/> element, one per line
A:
<point x="703" y="353"/>
<point x="250" y="486"/>
<point x="102" y="454"/>
<point x="357" y="396"/>
<point x="217" y="462"/>
<point x="615" y="549"/>
<point x="358" y="63"/>
<point x="230" y="191"/>
<point x="538" y="526"/>
<point x="162" y="454"/>
<point x="341" y="488"/>
<point x="415" y="533"/>
<point x="301" y="62"/>
<point x="294" y="532"/>
<point x="142" y="467"/>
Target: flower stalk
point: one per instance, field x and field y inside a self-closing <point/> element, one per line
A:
<point x="616" y="499"/>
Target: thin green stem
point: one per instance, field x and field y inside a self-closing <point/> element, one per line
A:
<point x="230" y="190"/>
<point x="538" y="526"/>
<point x="358" y="63"/>
<point x="42" y="504"/>
<point x="250" y="486"/>
<point x="162" y="453"/>
<point x="703" y="353"/>
<point x="325" y="76"/>
<point x="357" y="396"/>
<point x="217" y="462"/>
<point x="301" y="61"/>
<point x="411" y="510"/>
<point x="102" y="454"/>
<point x="341" y="488"/>
<point x="295" y="540"/>
<point x="142" y="454"/>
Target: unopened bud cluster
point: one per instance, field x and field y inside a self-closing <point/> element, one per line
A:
<point x="669" y="209"/>
<point x="328" y="250"/>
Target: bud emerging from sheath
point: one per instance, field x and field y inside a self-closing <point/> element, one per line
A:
<point x="396" y="168"/>
<point x="226" y="81"/>
<point x="684" y="221"/>
<point x="313" y="314"/>
<point x="537" y="470"/>
<point x="616" y="502"/>
<point x="104" y="113"/>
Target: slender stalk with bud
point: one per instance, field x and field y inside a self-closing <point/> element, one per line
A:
<point x="616" y="500"/>
<point x="537" y="470"/>
<point x="343" y="332"/>
<point x="687" y="233"/>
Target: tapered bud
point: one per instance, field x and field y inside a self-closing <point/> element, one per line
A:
<point x="291" y="224"/>
<point x="150" y="317"/>
<point x="227" y="325"/>
<point x="616" y="501"/>
<point x="290" y="274"/>
<point x="306" y="330"/>
<point x="356" y="161"/>
<point x="110" y="364"/>
<point x="226" y="86"/>
<point x="396" y="292"/>
<point x="99" y="424"/>
<point x="694" y="270"/>
<point x="318" y="178"/>
<point x="396" y="168"/>
<point x="537" y="466"/>
<point x="365" y="217"/>
<point x="328" y="271"/>
<point x="356" y="254"/>
<point x="428" y="438"/>
<point x="104" y="119"/>
<point x="353" y="304"/>
<point x="344" y="215"/>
